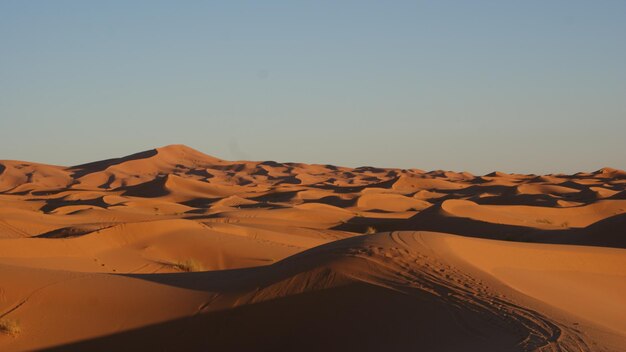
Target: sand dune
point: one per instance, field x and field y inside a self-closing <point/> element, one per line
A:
<point x="172" y="249"/>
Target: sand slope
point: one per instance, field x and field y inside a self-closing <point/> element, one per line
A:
<point x="171" y="249"/>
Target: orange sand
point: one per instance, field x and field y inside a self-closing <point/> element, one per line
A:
<point x="171" y="249"/>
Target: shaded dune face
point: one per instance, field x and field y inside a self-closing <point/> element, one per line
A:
<point x="172" y="249"/>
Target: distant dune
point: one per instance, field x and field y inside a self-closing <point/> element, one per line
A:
<point x="174" y="250"/>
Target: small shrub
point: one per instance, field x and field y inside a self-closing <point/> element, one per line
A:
<point x="10" y="327"/>
<point x="370" y="230"/>
<point x="189" y="265"/>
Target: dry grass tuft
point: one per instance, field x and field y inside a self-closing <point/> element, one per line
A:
<point x="370" y="230"/>
<point x="189" y="265"/>
<point x="10" y="327"/>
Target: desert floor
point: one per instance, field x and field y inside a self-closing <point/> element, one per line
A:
<point x="174" y="250"/>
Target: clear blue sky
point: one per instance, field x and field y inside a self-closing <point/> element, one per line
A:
<point x="517" y="86"/>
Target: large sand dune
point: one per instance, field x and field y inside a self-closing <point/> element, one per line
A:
<point x="171" y="249"/>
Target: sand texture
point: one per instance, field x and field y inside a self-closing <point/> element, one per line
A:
<point x="174" y="250"/>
